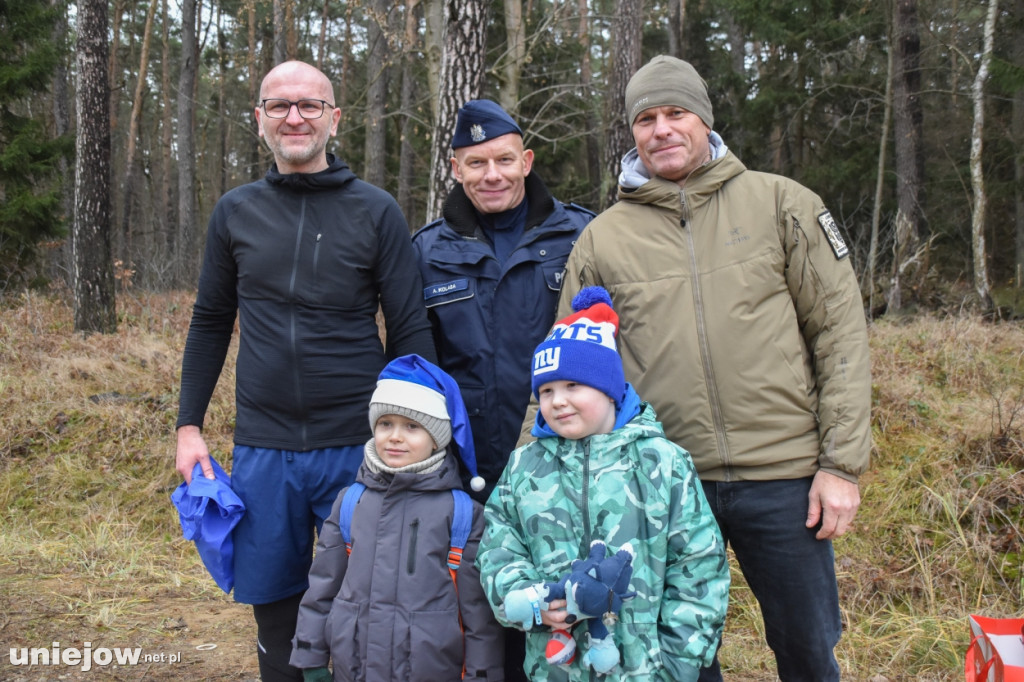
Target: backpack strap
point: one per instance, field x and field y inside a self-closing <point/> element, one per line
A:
<point x="348" y="507"/>
<point x="462" y="525"/>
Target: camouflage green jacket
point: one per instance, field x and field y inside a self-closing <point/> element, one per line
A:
<point x="632" y="485"/>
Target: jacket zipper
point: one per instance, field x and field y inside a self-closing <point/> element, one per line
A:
<point x="293" y="327"/>
<point x="705" y="347"/>
<point x="316" y="257"/>
<point x="410" y="563"/>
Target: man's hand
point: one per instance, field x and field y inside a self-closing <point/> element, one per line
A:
<point x="833" y="501"/>
<point x="191" y="449"/>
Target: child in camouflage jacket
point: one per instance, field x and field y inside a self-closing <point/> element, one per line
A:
<point x="602" y="469"/>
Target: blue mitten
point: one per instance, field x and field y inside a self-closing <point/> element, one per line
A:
<point x="524" y="606"/>
<point x="602" y="655"/>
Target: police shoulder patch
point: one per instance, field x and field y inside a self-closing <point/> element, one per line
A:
<point x="835" y="240"/>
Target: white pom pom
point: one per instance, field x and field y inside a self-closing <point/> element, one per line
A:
<point x="477" y="483"/>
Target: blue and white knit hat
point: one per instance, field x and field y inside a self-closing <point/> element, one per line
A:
<point x="419" y="390"/>
<point x="581" y="347"/>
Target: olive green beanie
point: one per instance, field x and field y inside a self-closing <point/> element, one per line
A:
<point x="667" y="81"/>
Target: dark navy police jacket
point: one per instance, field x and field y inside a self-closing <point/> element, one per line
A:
<point x="488" y="318"/>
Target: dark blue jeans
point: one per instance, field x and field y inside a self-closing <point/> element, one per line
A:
<point x="791" y="574"/>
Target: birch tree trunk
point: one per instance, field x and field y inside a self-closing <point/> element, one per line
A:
<point x="460" y="79"/>
<point x="981" y="280"/>
<point x="92" y="272"/>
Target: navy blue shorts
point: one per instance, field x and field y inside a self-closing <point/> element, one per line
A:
<point x="287" y="495"/>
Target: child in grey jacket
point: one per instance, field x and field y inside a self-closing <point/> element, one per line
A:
<point x="388" y="598"/>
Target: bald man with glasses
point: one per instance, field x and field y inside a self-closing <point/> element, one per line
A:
<point x="304" y="257"/>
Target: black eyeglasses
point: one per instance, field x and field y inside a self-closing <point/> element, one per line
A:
<point x="307" y="108"/>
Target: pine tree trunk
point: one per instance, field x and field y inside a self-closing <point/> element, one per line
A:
<point x="223" y="131"/>
<point x="133" y="134"/>
<point x="322" y="42"/>
<point x="407" y="152"/>
<point x="60" y="263"/>
<point x="255" y="167"/>
<point x="594" y="173"/>
<point x="347" y="59"/>
<point x="114" y="68"/>
<point x="375" y="146"/>
<point x="461" y="79"/>
<point x="1018" y="138"/>
<point x="92" y="273"/>
<point x="876" y="211"/>
<point x="676" y="9"/>
<point x="908" y="125"/>
<point x="625" y="62"/>
<point x="433" y="48"/>
<point x="187" y="255"/>
<point x="280" y="39"/>
<point x="515" y="53"/>
<point x="168" y="213"/>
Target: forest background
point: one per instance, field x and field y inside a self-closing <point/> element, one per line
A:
<point x="906" y="116"/>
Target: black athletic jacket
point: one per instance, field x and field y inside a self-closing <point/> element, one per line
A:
<point x="304" y="259"/>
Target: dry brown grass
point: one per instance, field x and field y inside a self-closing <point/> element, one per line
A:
<point x="90" y="549"/>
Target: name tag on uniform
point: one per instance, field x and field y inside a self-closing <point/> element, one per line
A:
<point x="445" y="288"/>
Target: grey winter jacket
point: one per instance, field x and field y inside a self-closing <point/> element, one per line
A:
<point x="390" y="611"/>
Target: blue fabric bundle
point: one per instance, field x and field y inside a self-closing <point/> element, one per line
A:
<point x="208" y="511"/>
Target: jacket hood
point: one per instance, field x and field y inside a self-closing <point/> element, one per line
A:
<point x="628" y="408"/>
<point x="634" y="173"/>
<point x="335" y="175"/>
<point x="643" y="425"/>
<point x="700" y="186"/>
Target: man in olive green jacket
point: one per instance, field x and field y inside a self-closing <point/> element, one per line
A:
<point x="742" y="324"/>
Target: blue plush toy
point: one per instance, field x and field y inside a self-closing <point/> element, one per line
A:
<point x="594" y="590"/>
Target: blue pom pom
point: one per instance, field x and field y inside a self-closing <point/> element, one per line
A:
<point x="589" y="296"/>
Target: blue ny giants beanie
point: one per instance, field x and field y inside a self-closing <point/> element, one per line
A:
<point x="581" y="347"/>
